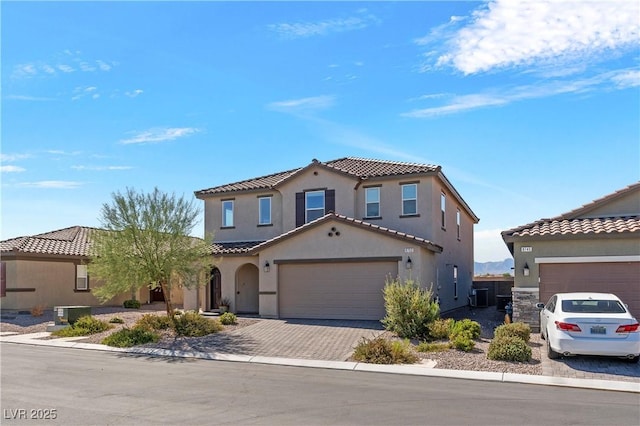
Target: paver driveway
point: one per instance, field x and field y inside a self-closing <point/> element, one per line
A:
<point x="331" y="340"/>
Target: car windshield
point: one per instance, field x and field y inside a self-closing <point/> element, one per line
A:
<point x="593" y="306"/>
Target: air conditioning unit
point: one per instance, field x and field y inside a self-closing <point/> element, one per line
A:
<point x="65" y="315"/>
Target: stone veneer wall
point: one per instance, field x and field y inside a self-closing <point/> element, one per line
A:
<point x="524" y="306"/>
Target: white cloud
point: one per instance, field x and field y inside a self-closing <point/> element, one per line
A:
<point x="134" y="93"/>
<point x="47" y="67"/>
<point x="159" y="135"/>
<point x="461" y="103"/>
<point x="303" y="104"/>
<point x="102" y="168"/>
<point x="28" y="98"/>
<point x="52" y="184"/>
<point x="321" y="28"/>
<point x="8" y="158"/>
<point x="547" y="33"/>
<point x="103" y="65"/>
<point x="12" y="169"/>
<point x="66" y="68"/>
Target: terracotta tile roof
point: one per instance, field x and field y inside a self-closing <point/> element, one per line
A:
<point x="220" y="248"/>
<point x="608" y="225"/>
<point x="356" y="222"/>
<point x="359" y="168"/>
<point x="73" y="241"/>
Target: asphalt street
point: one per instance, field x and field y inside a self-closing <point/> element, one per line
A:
<point x="85" y="387"/>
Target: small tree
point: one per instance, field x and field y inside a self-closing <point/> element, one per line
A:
<point x="410" y="308"/>
<point x="146" y="242"/>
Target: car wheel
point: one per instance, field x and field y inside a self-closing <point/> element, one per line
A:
<point x="633" y="360"/>
<point x="551" y="354"/>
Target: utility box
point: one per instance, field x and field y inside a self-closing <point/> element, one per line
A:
<point x="65" y="315"/>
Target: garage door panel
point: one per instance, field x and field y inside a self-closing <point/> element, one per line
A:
<point x="350" y="290"/>
<point x="619" y="278"/>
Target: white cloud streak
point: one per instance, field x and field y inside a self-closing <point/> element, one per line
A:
<point x="52" y="184"/>
<point x="540" y="33"/>
<point x="71" y="62"/>
<point x="323" y="28"/>
<point x="159" y="135"/>
<point x="12" y="169"/>
<point x="461" y="103"/>
<point x="28" y="98"/>
<point x="294" y="106"/>
<point x="9" y="158"/>
<point x="102" y="168"/>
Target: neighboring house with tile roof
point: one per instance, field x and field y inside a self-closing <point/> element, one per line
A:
<point x="319" y="241"/>
<point x="593" y="248"/>
<point x="50" y="269"/>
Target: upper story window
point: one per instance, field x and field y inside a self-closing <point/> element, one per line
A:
<point x="455" y="281"/>
<point x="82" y="277"/>
<point x="264" y="207"/>
<point x="409" y="199"/>
<point x="443" y="209"/>
<point x="372" y="202"/>
<point x="227" y="213"/>
<point x="314" y="205"/>
<point x="458" y="223"/>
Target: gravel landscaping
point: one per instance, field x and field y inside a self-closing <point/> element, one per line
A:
<point x="476" y="360"/>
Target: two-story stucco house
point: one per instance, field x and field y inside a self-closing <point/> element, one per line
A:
<point x="319" y="241"/>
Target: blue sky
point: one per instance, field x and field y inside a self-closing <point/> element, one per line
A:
<point x="531" y="108"/>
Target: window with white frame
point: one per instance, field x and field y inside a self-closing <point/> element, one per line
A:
<point x="458" y="223"/>
<point x="264" y="207"/>
<point x="455" y="281"/>
<point x="227" y="213"/>
<point x="82" y="277"/>
<point x="372" y="202"/>
<point x="314" y="205"/>
<point x="409" y="199"/>
<point x="443" y="209"/>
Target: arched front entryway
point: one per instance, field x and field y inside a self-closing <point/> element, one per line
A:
<point x="247" y="299"/>
<point x="215" y="289"/>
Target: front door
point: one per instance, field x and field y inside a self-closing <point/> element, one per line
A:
<point x="156" y="295"/>
<point x="247" y="298"/>
<point x="215" y="289"/>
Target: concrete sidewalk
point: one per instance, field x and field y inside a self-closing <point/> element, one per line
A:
<point x="425" y="369"/>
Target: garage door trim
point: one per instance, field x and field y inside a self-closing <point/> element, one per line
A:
<point x="588" y="259"/>
<point x="339" y="260"/>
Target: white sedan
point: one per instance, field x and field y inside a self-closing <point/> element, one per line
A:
<point x="589" y="324"/>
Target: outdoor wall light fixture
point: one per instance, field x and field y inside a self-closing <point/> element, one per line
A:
<point x="267" y="267"/>
<point x="525" y="270"/>
<point x="409" y="263"/>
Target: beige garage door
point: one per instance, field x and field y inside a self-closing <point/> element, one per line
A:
<point x="351" y="290"/>
<point x="621" y="279"/>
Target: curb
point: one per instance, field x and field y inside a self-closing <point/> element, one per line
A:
<point x="415" y="370"/>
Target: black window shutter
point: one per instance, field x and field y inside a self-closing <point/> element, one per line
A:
<point x="329" y="201"/>
<point x="300" y="216"/>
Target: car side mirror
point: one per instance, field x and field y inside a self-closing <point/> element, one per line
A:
<point x="540" y="305"/>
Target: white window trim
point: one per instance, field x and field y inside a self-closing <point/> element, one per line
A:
<point x="409" y="199"/>
<point x="82" y="276"/>
<point x="224" y="216"/>
<point x="307" y="209"/>
<point x="260" y="211"/>
<point x="588" y="259"/>
<point x="367" y="202"/>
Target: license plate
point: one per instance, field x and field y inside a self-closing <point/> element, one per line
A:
<point x="598" y="330"/>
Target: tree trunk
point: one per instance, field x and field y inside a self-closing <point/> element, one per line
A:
<point x="167" y="298"/>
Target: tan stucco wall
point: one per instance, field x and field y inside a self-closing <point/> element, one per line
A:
<point x="600" y="245"/>
<point x="353" y="242"/>
<point x="54" y="284"/>
<point x="627" y="205"/>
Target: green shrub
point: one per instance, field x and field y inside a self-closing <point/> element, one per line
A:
<point x="440" y="328"/>
<point x="116" y="320"/>
<point x="84" y="326"/>
<point x="228" y="318"/>
<point x="128" y="337"/>
<point x="152" y="322"/>
<point x="517" y="329"/>
<point x="465" y="326"/>
<point x="433" y="347"/>
<point x="192" y="324"/>
<point x="409" y="308"/>
<point x="383" y="351"/>
<point x="509" y="348"/>
<point x="131" y="304"/>
<point x="463" y="341"/>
